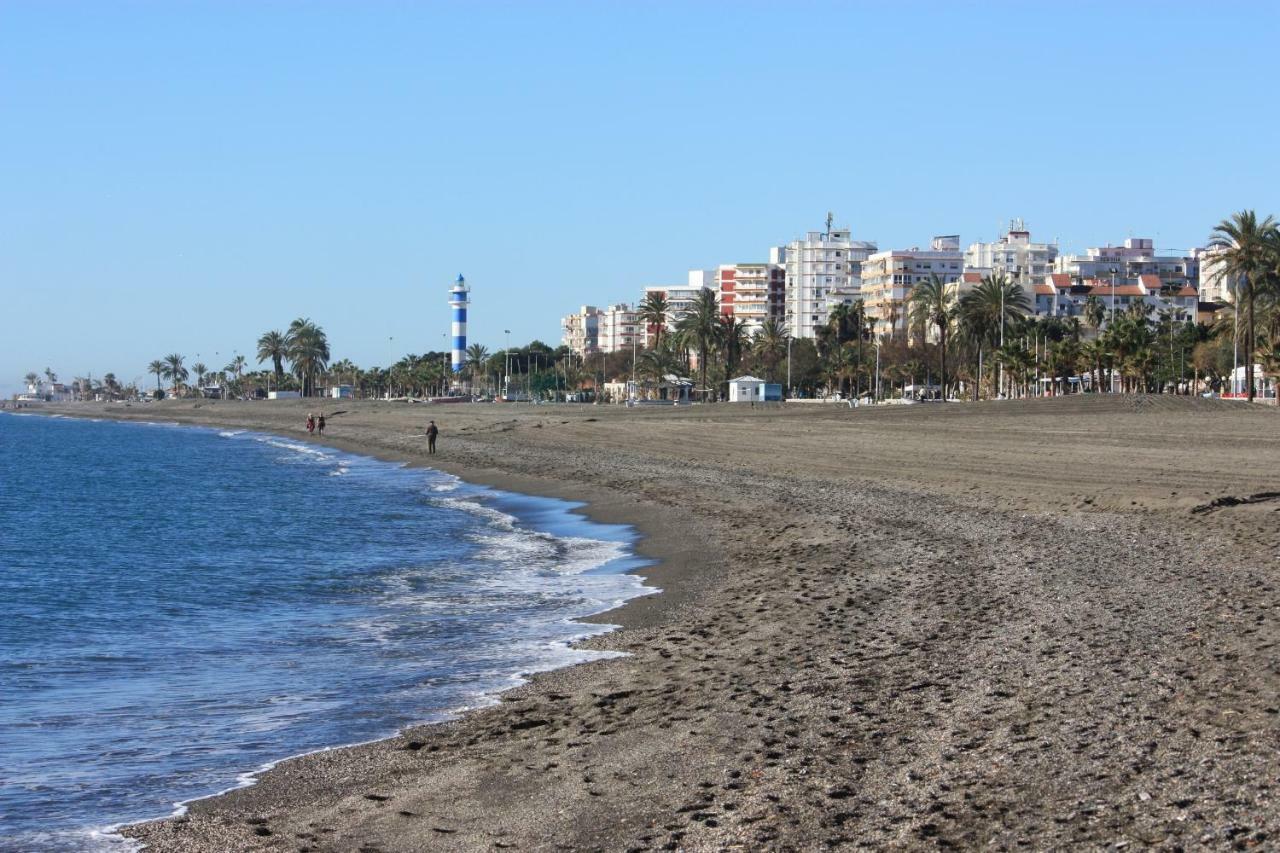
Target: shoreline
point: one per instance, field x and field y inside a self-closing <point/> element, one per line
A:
<point x="888" y="628"/>
<point x="655" y="574"/>
<point x="595" y="505"/>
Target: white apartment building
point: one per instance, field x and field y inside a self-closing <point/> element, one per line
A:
<point x="1135" y="258"/>
<point x="1014" y="255"/>
<point x="888" y="278"/>
<point x="1215" y="285"/>
<point x="1060" y="295"/>
<point x="581" y="331"/>
<point x="619" y="328"/>
<point x="753" y="293"/>
<point x="823" y="269"/>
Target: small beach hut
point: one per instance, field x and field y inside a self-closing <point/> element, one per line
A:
<point x="746" y="389"/>
<point x="675" y="389"/>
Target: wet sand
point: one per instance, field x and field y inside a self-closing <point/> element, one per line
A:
<point x="999" y="624"/>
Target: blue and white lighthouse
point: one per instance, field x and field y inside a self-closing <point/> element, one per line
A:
<point x="459" y="299"/>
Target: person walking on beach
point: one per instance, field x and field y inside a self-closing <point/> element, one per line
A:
<point x="432" y="432"/>
<point x="311" y="423"/>
<point x="320" y="424"/>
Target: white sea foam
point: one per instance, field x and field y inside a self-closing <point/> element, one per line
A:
<point x="475" y="507"/>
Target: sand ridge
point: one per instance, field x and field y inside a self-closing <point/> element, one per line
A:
<point x="929" y="626"/>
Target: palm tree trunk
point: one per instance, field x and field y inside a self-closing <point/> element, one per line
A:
<point x="702" y="370"/>
<point x="942" y="359"/>
<point x="1250" y="344"/>
<point x="978" y="379"/>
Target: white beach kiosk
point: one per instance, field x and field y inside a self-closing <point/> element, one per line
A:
<point x="746" y="389"/>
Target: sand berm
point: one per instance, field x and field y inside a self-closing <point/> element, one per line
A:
<point x="998" y="624"/>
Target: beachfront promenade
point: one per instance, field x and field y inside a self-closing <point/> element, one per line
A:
<point x="974" y="624"/>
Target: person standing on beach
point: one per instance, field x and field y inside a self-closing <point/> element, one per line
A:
<point x="320" y="424"/>
<point x="311" y="423"/>
<point x="432" y="432"/>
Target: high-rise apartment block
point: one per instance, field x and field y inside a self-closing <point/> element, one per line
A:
<point x="1013" y="255"/>
<point x="888" y="278"/>
<point x="822" y="269"/>
<point x="619" y="328"/>
<point x="753" y="293"/>
<point x="581" y="331"/>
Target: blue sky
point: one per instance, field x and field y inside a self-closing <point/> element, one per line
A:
<point x="181" y="176"/>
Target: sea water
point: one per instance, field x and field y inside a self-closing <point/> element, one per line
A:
<point x="179" y="607"/>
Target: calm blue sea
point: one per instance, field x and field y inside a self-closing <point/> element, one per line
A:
<point x="181" y="606"/>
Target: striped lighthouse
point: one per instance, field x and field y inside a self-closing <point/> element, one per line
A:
<point x="459" y="299"/>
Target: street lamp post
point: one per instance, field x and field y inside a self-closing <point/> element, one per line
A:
<point x="506" y="380"/>
<point x="1235" y="339"/>
<point x="1111" y="321"/>
<point x="1000" y="384"/>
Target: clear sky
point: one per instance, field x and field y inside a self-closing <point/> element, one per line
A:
<point x="181" y="176"/>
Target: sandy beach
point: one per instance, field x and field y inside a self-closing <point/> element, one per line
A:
<point x="1009" y="624"/>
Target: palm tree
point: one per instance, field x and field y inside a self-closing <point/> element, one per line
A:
<point x="770" y="345"/>
<point x="1094" y="312"/>
<point x="841" y="365"/>
<point x="50" y="376"/>
<point x="174" y="370"/>
<point x="932" y="304"/>
<point x="985" y="310"/>
<point x="33" y="381"/>
<point x="657" y="362"/>
<point x="841" y="321"/>
<point x="477" y="357"/>
<point x="893" y="316"/>
<point x="236" y="368"/>
<point x="345" y="370"/>
<point x="1093" y="353"/>
<point x="272" y="346"/>
<point x="698" y="326"/>
<point x="652" y="312"/>
<point x="156" y="367"/>
<point x="200" y="371"/>
<point x="307" y="348"/>
<point x="733" y="338"/>
<point x="1245" y="247"/>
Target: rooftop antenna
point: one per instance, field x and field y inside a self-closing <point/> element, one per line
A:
<point x="830" y="217"/>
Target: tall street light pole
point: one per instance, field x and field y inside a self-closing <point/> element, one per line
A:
<point x="1111" y="321"/>
<point x="1000" y="389"/>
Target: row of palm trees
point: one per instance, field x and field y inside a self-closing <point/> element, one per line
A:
<point x="82" y="387"/>
<point x="1250" y="258"/>
<point x="984" y="342"/>
<point x="304" y="346"/>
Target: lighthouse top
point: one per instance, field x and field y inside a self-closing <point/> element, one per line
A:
<point x="458" y="294"/>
